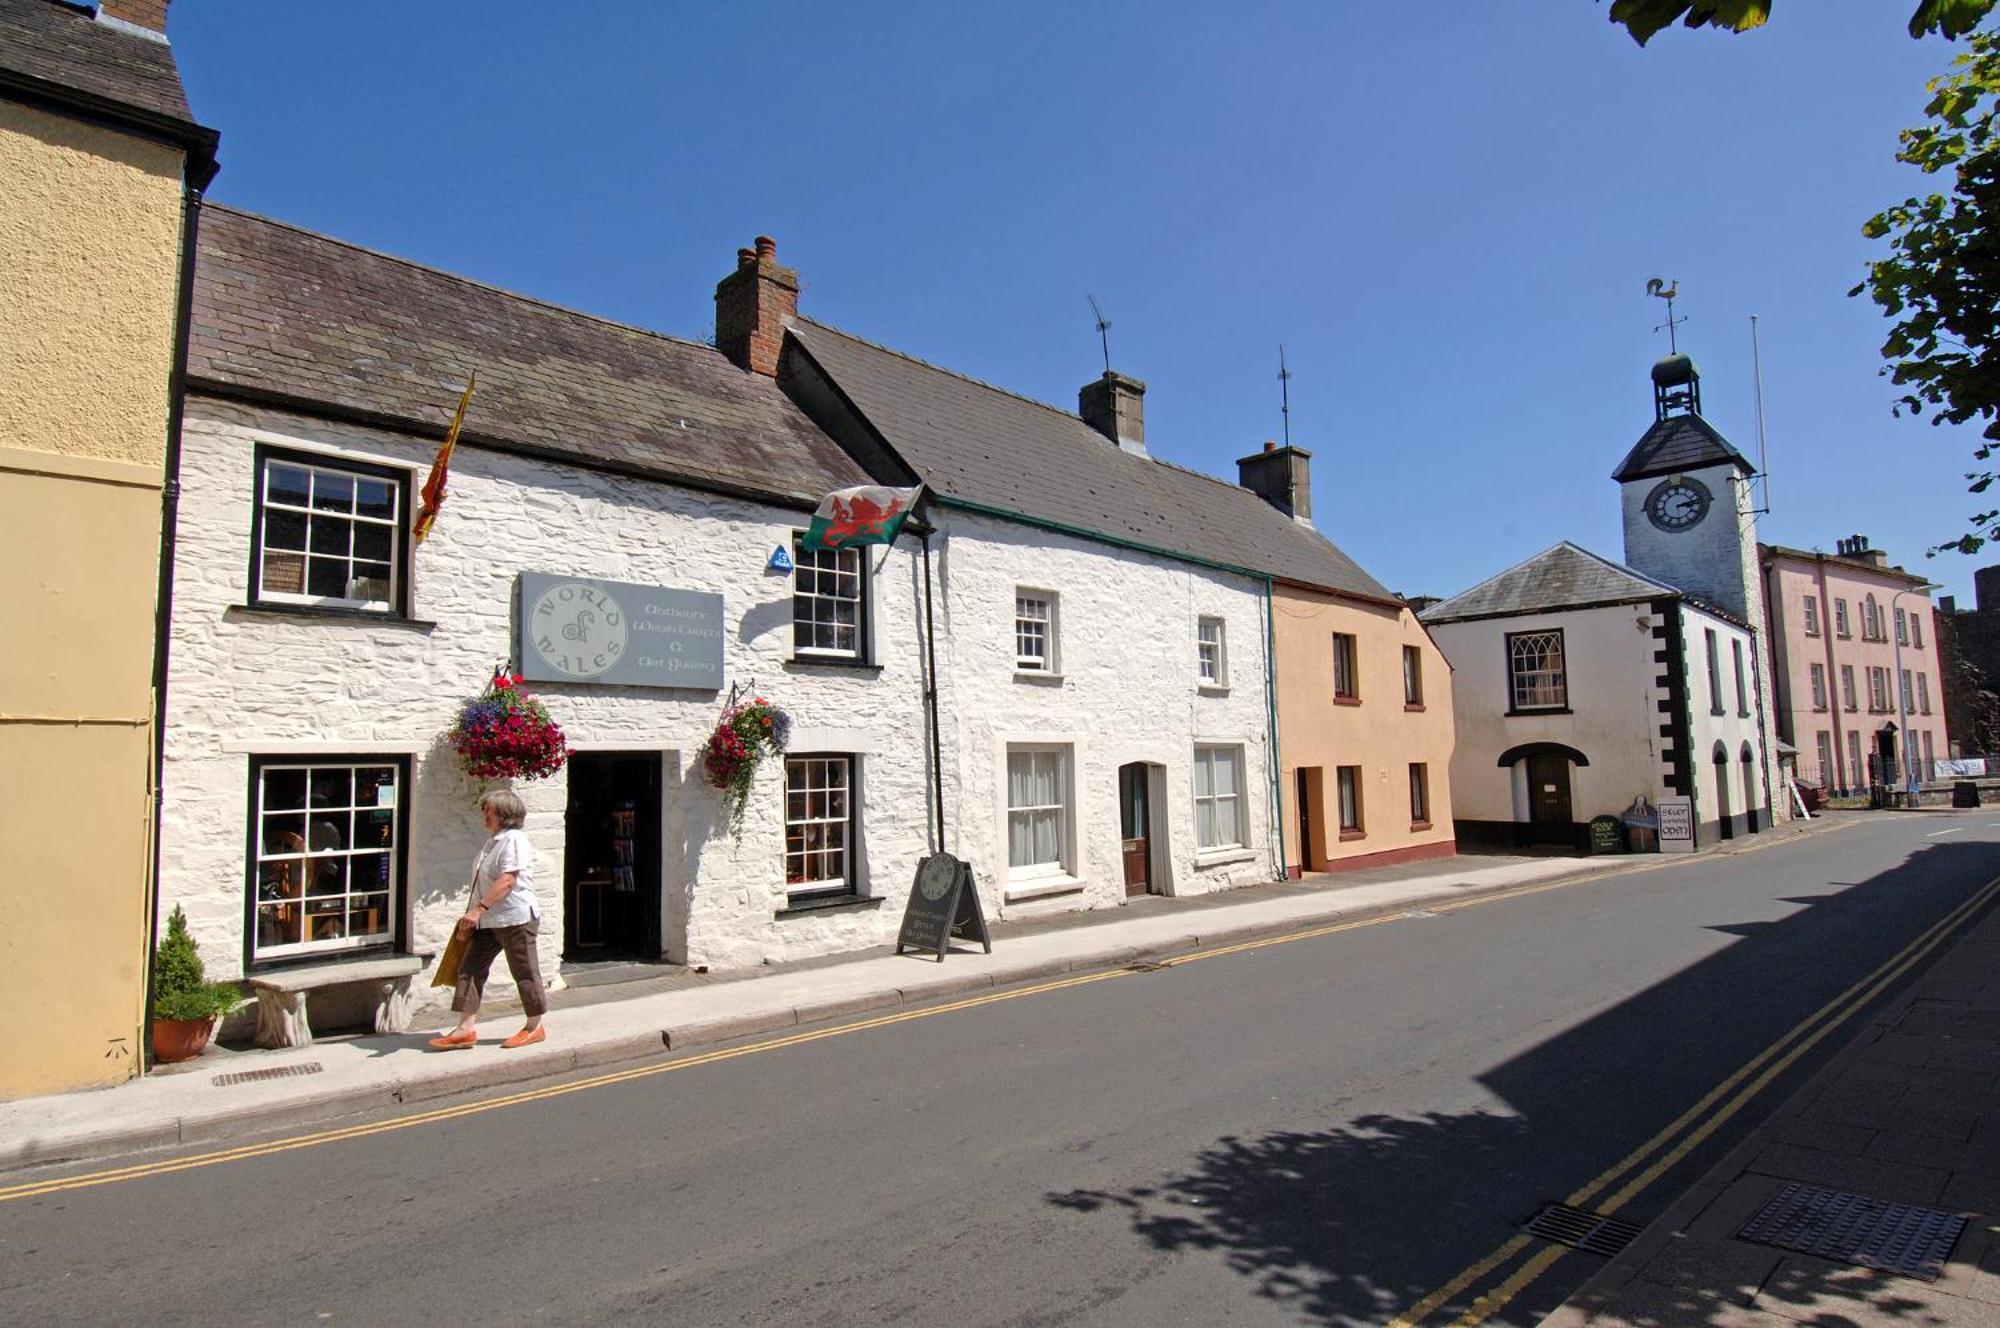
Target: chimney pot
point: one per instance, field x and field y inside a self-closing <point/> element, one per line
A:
<point x="767" y="249"/>
<point x="746" y="258"/>
<point x="1270" y="446"/>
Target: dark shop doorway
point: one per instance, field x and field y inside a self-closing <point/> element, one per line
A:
<point x="611" y="865"/>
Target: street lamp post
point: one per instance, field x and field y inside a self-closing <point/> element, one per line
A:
<point x="1910" y="782"/>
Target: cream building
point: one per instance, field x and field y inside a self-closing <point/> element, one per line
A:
<point x="103" y="166"/>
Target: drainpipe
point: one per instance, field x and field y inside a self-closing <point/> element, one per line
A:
<point x="1271" y="719"/>
<point x="1832" y="679"/>
<point x="163" y="610"/>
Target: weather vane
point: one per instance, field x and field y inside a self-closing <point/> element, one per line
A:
<point x="1667" y="290"/>
<point x="1103" y="326"/>
<point x="1285" y="393"/>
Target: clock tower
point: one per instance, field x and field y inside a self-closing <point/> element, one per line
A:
<point x="1689" y="518"/>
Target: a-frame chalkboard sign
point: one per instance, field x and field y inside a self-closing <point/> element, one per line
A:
<point x="943" y="903"/>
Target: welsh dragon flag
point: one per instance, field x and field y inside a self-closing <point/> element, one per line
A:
<point x="868" y="514"/>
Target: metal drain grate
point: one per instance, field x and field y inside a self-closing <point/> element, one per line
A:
<point x="257" y="1076"/>
<point x="1581" y="1229"/>
<point x="1853" y="1228"/>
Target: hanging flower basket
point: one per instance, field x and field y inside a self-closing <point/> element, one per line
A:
<point x="746" y="732"/>
<point x="507" y="734"/>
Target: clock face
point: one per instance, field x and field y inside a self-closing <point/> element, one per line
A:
<point x="579" y="629"/>
<point x="1677" y="504"/>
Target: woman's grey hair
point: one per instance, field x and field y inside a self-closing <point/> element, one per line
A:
<point x="507" y="806"/>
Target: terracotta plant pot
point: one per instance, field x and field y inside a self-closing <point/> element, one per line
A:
<point x="180" y="1039"/>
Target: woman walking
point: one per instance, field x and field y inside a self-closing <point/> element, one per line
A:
<point x="503" y="917"/>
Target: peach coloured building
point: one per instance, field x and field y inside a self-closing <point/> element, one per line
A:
<point x="1854" y="664"/>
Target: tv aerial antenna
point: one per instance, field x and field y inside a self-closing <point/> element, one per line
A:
<point x="1103" y="326"/>
<point x="1668" y="291"/>
<point x="1285" y="392"/>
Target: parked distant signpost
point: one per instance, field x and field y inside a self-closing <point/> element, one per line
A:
<point x="1677" y="825"/>
<point x="943" y="903"/>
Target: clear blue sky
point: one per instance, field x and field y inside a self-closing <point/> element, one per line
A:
<point x="1447" y="212"/>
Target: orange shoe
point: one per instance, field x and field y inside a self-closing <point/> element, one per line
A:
<point x="527" y="1037"/>
<point x="455" y="1041"/>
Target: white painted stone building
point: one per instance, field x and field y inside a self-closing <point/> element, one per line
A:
<point x="311" y="810"/>
<point x="1581" y="684"/>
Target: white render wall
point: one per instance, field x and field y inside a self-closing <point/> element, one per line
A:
<point x="1731" y="728"/>
<point x="245" y="682"/>
<point x="1615" y="715"/>
<point x="1128" y="692"/>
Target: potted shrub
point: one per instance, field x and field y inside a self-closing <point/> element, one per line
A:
<point x="185" y="1004"/>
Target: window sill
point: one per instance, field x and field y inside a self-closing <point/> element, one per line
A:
<point x="1213" y="688"/>
<point x="1222" y="857"/>
<point x="827" y="904"/>
<point x="1413" y="707"/>
<point x="1546" y="710"/>
<point x="1038" y="677"/>
<point x="1349" y="836"/>
<point x="1347" y="700"/>
<point x="1420" y="825"/>
<point x="797" y="662"/>
<point x="326" y="614"/>
<point x="1042" y="887"/>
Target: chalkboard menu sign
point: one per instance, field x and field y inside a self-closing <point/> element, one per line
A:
<point x="943" y="903"/>
<point x="1607" y="835"/>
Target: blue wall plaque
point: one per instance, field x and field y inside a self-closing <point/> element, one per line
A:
<point x="578" y="629"/>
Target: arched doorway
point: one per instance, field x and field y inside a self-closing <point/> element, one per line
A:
<point x="1724" y="824"/>
<point x="1551" y="814"/>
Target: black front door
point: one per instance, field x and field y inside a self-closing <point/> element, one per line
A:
<point x="611" y="864"/>
<point x="1548" y="800"/>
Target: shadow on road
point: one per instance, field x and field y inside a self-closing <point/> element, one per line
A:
<point x="1356" y="1222"/>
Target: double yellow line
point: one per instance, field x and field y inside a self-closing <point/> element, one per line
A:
<point x="1688" y="1130"/>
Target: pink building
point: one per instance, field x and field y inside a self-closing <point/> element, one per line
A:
<point x="1854" y="666"/>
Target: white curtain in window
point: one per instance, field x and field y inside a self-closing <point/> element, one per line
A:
<point x="1034" y="809"/>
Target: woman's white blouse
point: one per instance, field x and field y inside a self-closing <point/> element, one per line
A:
<point x="507" y="851"/>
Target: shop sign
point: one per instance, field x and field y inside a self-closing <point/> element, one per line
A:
<point x="578" y="629"/>
<point x="1677" y="825"/>
<point x="944" y="903"/>
<point x="1607" y="834"/>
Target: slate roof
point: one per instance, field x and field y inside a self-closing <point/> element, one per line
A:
<point x="1675" y="444"/>
<point x="65" y="46"/>
<point x="283" y="313"/>
<point x="978" y="444"/>
<point x="1563" y="577"/>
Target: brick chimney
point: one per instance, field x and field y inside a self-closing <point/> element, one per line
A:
<point x="1115" y="406"/>
<point x="141" y="18"/>
<point x="753" y="307"/>
<point x="1856" y="547"/>
<point x="1282" y="477"/>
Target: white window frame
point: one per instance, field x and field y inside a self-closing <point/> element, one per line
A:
<point x="318" y="514"/>
<point x="1924" y="693"/>
<point x="1847" y="694"/>
<point x="1916" y="631"/>
<point x="820" y="804"/>
<point x="1829" y="777"/>
<point x="1909" y="694"/>
<point x="1063" y="811"/>
<point x="1812" y="615"/>
<point x="1878" y="690"/>
<point x="821" y="608"/>
<point x="273" y="861"/>
<point x="1902" y="627"/>
<point x="1544" y="686"/>
<point x="1211" y="651"/>
<point x="1208" y="757"/>
<point x="1841" y="628"/>
<point x="1818" y="674"/>
<point x="1347" y="788"/>
<point x="1037" y="617"/>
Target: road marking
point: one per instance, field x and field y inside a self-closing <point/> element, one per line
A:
<point x="142" y="1171"/>
<point x="1830" y="1016"/>
<point x="1956" y="830"/>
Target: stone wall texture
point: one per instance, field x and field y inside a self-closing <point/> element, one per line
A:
<point x="249" y="682"/>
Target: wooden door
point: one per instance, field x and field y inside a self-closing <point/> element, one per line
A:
<point x="1548" y="799"/>
<point x="1134" y="822"/>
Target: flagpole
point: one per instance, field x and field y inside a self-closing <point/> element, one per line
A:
<point x="930" y="693"/>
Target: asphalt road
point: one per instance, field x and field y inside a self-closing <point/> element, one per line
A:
<point x="1325" y="1130"/>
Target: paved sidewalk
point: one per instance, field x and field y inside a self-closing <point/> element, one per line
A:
<point x="1908" y="1113"/>
<point x="595" y="1026"/>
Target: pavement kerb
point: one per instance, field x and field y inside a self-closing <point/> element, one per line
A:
<point x="447" y="1078"/>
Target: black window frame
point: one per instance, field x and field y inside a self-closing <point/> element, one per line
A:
<point x="864" y="613"/>
<point x="1420" y="795"/>
<point x="1413" y="677"/>
<point x="1352" y="668"/>
<point x="402" y="555"/>
<point x="397" y="941"/>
